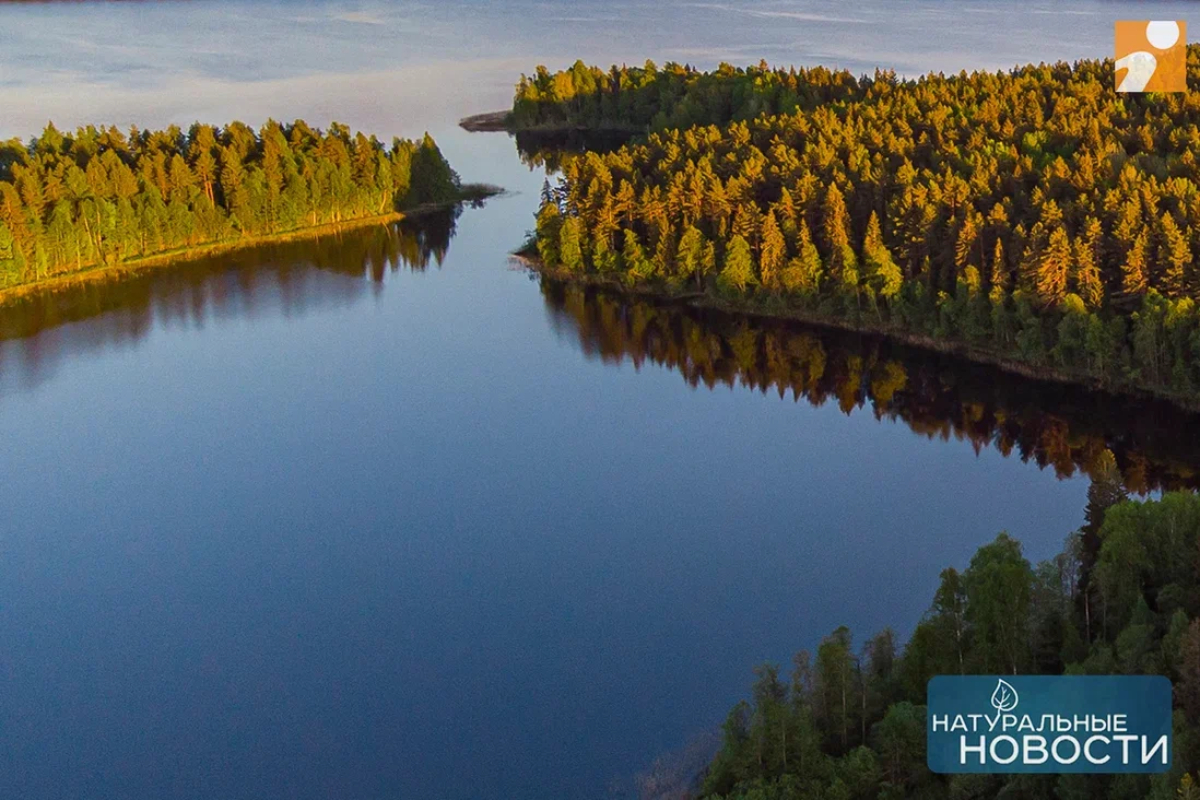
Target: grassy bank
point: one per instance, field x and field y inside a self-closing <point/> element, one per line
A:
<point x="775" y="307"/>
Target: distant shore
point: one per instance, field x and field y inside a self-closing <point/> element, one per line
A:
<point x="502" y="121"/>
<point x="492" y="121"/>
<point x="133" y="266"/>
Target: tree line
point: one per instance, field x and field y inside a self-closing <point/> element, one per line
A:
<point x="675" y="96"/>
<point x="99" y="196"/>
<point x="1065" y="429"/>
<point x="849" y="722"/>
<point x="1032" y="214"/>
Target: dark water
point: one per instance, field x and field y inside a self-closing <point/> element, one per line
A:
<point x="379" y="516"/>
<point x="1066" y="429"/>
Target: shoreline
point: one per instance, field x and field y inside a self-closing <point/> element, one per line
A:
<point x="959" y="349"/>
<point x="501" y="122"/>
<point x="99" y="272"/>
<point x="487" y="122"/>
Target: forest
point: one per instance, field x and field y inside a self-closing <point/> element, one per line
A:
<point x="1031" y="216"/>
<point x="849" y="722"/>
<point x="100" y="197"/>
<point x="645" y="98"/>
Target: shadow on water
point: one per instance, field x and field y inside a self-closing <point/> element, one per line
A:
<point x="291" y="278"/>
<point x="549" y="149"/>
<point x="1066" y="428"/>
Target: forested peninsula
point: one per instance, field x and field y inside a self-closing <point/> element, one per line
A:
<point x="1033" y="218"/>
<point x="100" y="198"/>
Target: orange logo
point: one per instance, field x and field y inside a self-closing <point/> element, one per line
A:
<point x="1151" y="56"/>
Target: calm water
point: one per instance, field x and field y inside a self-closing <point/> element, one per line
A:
<point x="382" y="517"/>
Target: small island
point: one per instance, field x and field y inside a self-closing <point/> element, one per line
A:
<point x="99" y="200"/>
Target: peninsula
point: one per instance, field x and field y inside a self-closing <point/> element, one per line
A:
<point x="1032" y="218"/>
<point x="100" y="200"/>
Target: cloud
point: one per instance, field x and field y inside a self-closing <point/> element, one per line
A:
<point x="804" y="16"/>
<point x="1066" y="11"/>
<point x="359" y="17"/>
<point x="749" y="53"/>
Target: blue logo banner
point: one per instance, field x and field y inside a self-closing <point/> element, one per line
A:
<point x="1044" y="723"/>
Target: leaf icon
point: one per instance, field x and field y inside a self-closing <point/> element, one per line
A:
<point x="1005" y="697"/>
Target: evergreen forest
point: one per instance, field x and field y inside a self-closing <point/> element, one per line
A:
<point x="1032" y="216"/>
<point x="100" y="197"/>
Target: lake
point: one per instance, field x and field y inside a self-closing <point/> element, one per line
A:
<point x="382" y="516"/>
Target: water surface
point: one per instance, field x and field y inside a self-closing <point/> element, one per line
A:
<point x="379" y="516"/>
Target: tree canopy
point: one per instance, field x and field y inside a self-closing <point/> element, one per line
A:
<point x="1032" y="214"/>
<point x="69" y="201"/>
<point x="675" y="96"/>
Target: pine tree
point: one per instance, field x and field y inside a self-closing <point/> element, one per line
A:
<point x="433" y="181"/>
<point x="1174" y="258"/>
<point x="803" y="273"/>
<point x="965" y="244"/>
<point x="11" y="263"/>
<point x="1087" y="274"/>
<point x="747" y="223"/>
<point x="837" y="235"/>
<point x="603" y="257"/>
<point x="690" y="256"/>
<point x="1133" y="271"/>
<point x="785" y="212"/>
<point x="570" y="252"/>
<point x="634" y="257"/>
<point x="205" y="167"/>
<point x="709" y="262"/>
<point x="738" y="270"/>
<point x="849" y="270"/>
<point x="549" y="234"/>
<point x="664" y="252"/>
<point x="625" y="204"/>
<point x="1053" y="268"/>
<point x="882" y="270"/>
<point x="773" y="253"/>
<point x="1000" y="275"/>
